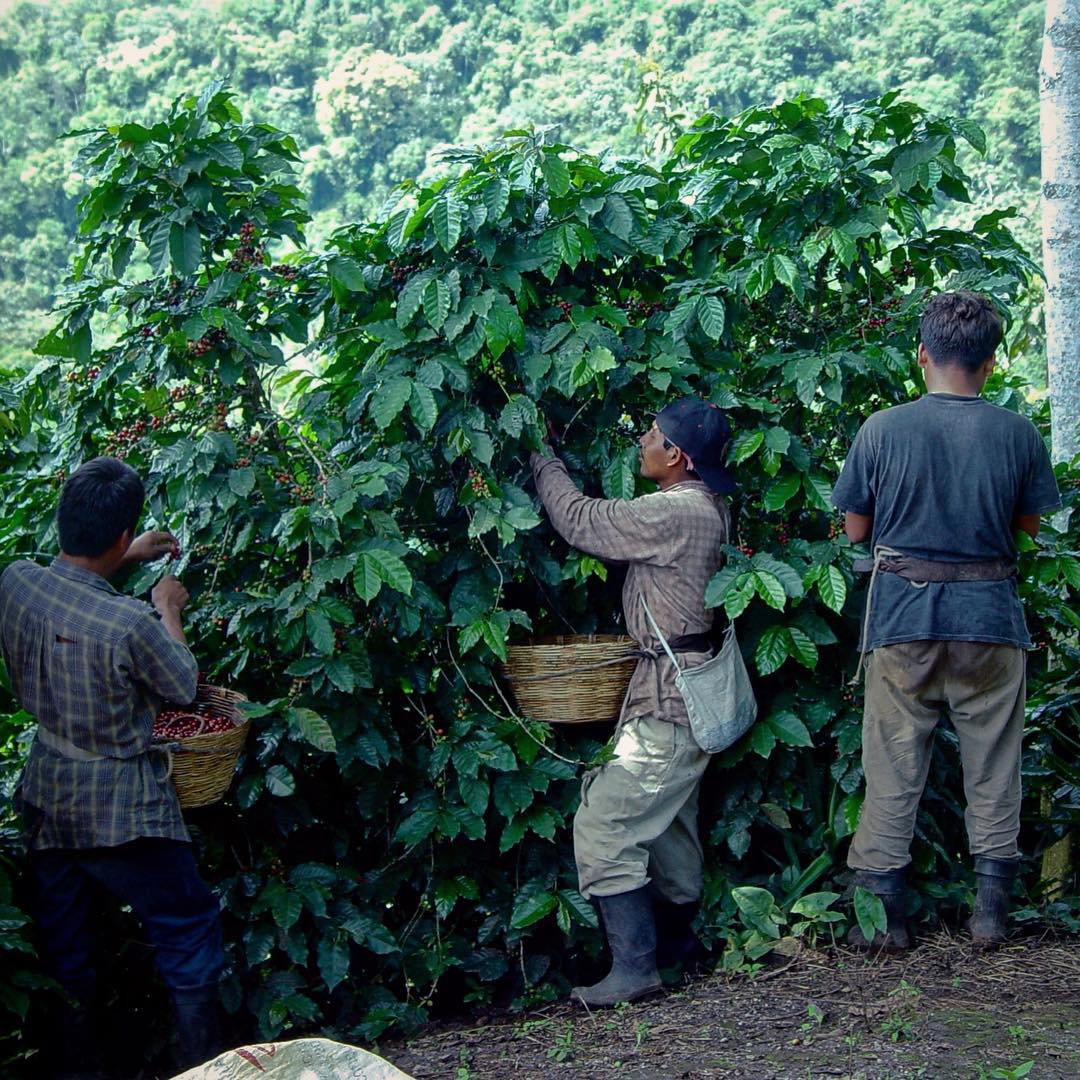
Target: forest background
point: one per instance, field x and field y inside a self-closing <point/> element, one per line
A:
<point x="370" y="91"/>
<point x="359" y="538"/>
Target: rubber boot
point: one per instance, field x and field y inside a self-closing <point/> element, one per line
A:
<point x="631" y="934"/>
<point x="678" y="950"/>
<point x="994" y="878"/>
<point x="889" y="888"/>
<point x="198" y="1025"/>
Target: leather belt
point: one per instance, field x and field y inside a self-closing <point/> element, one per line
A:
<point x="691" y="643"/>
<point x="914" y="569"/>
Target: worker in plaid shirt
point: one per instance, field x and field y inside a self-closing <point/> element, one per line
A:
<point x="636" y="844"/>
<point x="92" y="667"/>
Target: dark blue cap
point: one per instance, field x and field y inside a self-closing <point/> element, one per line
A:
<point x="700" y="430"/>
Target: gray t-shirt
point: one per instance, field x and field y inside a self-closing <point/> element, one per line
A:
<point x="943" y="478"/>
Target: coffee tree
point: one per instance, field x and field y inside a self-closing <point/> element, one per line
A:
<point x="340" y="439"/>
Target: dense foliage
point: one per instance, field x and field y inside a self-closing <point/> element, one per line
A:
<point x="339" y="437"/>
<point x="369" y="90"/>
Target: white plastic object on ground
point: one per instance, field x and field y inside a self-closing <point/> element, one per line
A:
<point x="299" y="1059"/>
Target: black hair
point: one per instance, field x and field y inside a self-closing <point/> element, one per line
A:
<point x="961" y="328"/>
<point x="100" y="500"/>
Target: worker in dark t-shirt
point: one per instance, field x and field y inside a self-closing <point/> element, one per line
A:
<point x="938" y="486"/>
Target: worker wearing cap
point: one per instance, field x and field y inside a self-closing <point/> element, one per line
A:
<point x="636" y="842"/>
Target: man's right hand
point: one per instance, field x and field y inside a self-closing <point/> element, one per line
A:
<point x="169" y="595"/>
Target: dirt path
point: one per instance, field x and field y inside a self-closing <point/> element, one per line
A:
<point x="941" y="1011"/>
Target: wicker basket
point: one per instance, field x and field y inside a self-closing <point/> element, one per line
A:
<point x="203" y="766"/>
<point x="577" y="679"/>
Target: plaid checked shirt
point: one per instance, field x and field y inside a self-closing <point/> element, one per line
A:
<point x="92" y="667"/>
<point x="671" y="540"/>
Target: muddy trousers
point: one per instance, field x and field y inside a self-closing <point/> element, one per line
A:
<point x="637" y="821"/>
<point x="908" y="686"/>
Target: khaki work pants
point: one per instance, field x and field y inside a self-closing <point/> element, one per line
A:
<point x="907" y="686"/>
<point x="638" y="815"/>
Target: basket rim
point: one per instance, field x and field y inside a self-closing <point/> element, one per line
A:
<point x="573" y="641"/>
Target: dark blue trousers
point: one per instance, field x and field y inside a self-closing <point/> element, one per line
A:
<point x="158" y="878"/>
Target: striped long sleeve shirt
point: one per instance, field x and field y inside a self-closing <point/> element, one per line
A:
<point x="92" y="667"/>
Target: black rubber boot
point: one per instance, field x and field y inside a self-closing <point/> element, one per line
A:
<point x="889" y="887"/>
<point x="198" y="1025"/>
<point x="631" y="934"/>
<point x="994" y="878"/>
<point x="678" y="951"/>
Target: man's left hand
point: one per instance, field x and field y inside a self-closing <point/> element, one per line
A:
<point x="152" y="545"/>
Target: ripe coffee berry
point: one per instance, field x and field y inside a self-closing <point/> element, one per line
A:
<point x="185" y="721"/>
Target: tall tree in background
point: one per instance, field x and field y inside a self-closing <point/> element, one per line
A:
<point x="1060" y="127"/>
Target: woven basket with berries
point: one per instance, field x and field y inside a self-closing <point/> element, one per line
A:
<point x="203" y="741"/>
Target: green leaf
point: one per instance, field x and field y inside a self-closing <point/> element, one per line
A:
<point x="832" y="588"/>
<point x="781" y="491"/>
<point x="376" y="567"/>
<point x="844" y="246"/>
<point x="785" y="269"/>
<point x="556" y="173"/>
<point x="446" y="220"/>
<point x="619" y="477"/>
<point x="422" y="407"/>
<point x="567" y="244"/>
<point x="242" y="481"/>
<point x="312" y="728"/>
<point x="578" y="907"/>
<point x="739" y="594"/>
<point x="388" y="401"/>
<point x="347" y="272"/>
<point x="531" y="905"/>
<point x="158" y="246"/>
<point x="319" y="631"/>
<point x="788" y="728"/>
<point x="436" y="301"/>
<point x="617" y="217"/>
<point x="710" y="316"/>
<point x="496" y="194"/>
<point x="870" y="913"/>
<point x="802" y="647"/>
<point x="762" y="739"/>
<point x="417" y="827"/>
<point x="758" y="909"/>
<point x="185" y="248"/>
<point x="333" y="957"/>
<point x="772" y="649"/>
<point x="972" y="133"/>
<point x="769" y="589"/>
<point x="745" y="446"/>
<point x="787" y="575"/>
<point x="279" y="781"/>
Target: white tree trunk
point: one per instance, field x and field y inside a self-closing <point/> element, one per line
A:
<point x="1059" y="116"/>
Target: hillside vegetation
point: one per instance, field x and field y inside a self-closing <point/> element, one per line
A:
<point x="370" y="90"/>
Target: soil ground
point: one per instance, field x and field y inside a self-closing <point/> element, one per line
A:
<point x="942" y="1010"/>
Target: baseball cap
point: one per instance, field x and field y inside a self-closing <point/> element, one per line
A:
<point x="701" y="431"/>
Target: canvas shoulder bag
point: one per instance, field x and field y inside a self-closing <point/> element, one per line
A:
<point x="719" y="698"/>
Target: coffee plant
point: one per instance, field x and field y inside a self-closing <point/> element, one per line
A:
<point x="339" y="440"/>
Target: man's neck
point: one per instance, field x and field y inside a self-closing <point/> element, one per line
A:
<point x="673" y="478"/>
<point x="102" y="565"/>
<point x="957" y="385"/>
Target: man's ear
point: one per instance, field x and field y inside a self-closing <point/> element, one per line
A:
<point x="988" y="365"/>
<point x="923" y="356"/>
